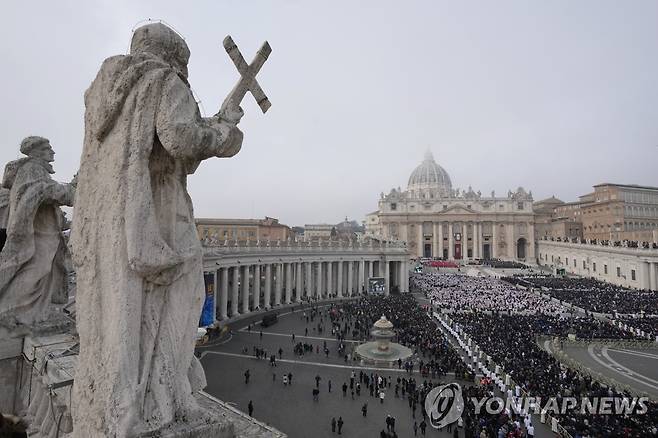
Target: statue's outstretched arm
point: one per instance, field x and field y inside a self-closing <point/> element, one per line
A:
<point x="185" y="134"/>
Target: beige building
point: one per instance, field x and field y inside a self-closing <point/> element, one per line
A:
<point x="611" y="212"/>
<point x="623" y="266"/>
<point x="438" y="221"/>
<point x="318" y="231"/>
<point x="219" y="230"/>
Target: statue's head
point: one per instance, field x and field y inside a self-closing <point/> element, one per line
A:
<point x="163" y="42"/>
<point x="38" y="147"/>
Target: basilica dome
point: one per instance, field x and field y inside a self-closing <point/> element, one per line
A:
<point x="429" y="177"/>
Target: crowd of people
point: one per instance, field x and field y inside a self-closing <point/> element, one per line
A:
<point x="459" y="293"/>
<point x="593" y="295"/>
<point x="504" y="264"/>
<point x="414" y="329"/>
<point x="510" y="341"/>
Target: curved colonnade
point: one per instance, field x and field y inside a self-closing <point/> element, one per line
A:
<point x="249" y="276"/>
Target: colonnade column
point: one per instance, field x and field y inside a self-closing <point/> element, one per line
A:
<point x="339" y="279"/>
<point x="318" y="280"/>
<point x="299" y="282"/>
<point x="223" y="296"/>
<point x="256" y="292"/>
<point x="288" y="283"/>
<point x="309" y="276"/>
<point x="451" y="242"/>
<point x="278" y="284"/>
<point x="387" y="281"/>
<point x="350" y="278"/>
<point x="652" y="276"/>
<point x="215" y="292"/>
<point x="235" y="295"/>
<point x="330" y="282"/>
<point x="245" y="289"/>
<point x="268" y="286"/>
<point x="362" y="276"/>
<point x="371" y="266"/>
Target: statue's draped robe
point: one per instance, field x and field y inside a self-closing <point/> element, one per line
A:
<point x="30" y="272"/>
<point x="134" y="244"/>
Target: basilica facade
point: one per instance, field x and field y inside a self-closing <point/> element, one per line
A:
<point x="438" y="221"/>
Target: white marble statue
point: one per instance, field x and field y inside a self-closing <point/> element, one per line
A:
<point x="138" y="259"/>
<point x="32" y="271"/>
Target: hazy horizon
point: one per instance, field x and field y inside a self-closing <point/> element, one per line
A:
<point x="552" y="96"/>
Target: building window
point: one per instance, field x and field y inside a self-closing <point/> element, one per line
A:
<point x="618" y="271"/>
<point x="394" y="206"/>
<point x="633" y="274"/>
<point x="605" y="269"/>
<point x="594" y="267"/>
<point x="445" y="206"/>
<point x="519" y="206"/>
<point x="583" y="264"/>
<point x="566" y="260"/>
<point x="574" y="263"/>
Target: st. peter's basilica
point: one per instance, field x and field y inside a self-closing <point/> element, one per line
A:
<point x="441" y="222"/>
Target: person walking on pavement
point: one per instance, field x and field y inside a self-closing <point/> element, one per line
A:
<point x="250" y="407"/>
<point x="415" y="429"/>
<point x="364" y="409"/>
<point x="317" y="381"/>
<point x="340" y="425"/>
<point x="333" y="424"/>
<point x="246" y="376"/>
<point x="423" y="426"/>
<point x="329" y="384"/>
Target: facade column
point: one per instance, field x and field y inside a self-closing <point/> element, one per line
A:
<point x="350" y="278"/>
<point x="223" y="296"/>
<point x="371" y="266"/>
<point x="339" y="279"/>
<point x="387" y="280"/>
<point x="362" y="277"/>
<point x="215" y="291"/>
<point x="421" y="240"/>
<point x="278" y="284"/>
<point x="400" y="276"/>
<point x="652" y="276"/>
<point x="451" y="242"/>
<point x="531" y="243"/>
<point x="465" y="240"/>
<point x="476" y="241"/>
<point x="288" y="283"/>
<point x="318" y="280"/>
<point x="330" y="282"/>
<point x="406" y="275"/>
<point x="309" y="277"/>
<point x="511" y="251"/>
<point x="235" y="296"/>
<point x="256" y="292"/>
<point x="441" y="239"/>
<point x="494" y="240"/>
<point x="268" y="286"/>
<point x="245" y="289"/>
<point x="298" y="282"/>
<point x="435" y="240"/>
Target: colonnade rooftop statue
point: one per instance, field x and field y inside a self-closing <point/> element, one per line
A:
<point x="32" y="273"/>
<point x="135" y="248"/>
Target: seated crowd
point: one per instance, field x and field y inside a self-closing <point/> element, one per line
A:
<point x="504" y="264"/>
<point x="458" y="293"/>
<point x="593" y="295"/>
<point x="510" y="341"/>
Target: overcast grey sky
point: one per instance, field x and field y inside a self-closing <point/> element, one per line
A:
<point x="554" y="96"/>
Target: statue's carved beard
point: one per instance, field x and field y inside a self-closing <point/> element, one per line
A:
<point x="46" y="165"/>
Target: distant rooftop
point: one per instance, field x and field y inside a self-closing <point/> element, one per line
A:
<point x="630" y="186"/>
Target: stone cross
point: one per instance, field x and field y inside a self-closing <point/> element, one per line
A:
<point x="247" y="81"/>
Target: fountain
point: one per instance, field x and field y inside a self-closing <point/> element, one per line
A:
<point x="382" y="351"/>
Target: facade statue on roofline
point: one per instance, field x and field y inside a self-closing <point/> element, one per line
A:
<point x="138" y="259"/>
<point x="32" y="269"/>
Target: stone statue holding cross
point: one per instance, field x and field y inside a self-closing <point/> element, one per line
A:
<point x="134" y="244"/>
